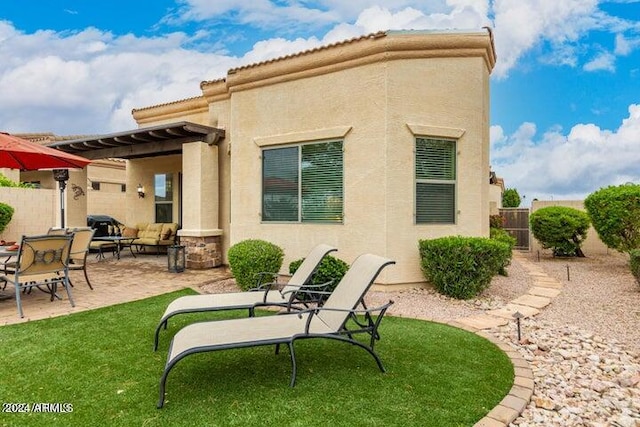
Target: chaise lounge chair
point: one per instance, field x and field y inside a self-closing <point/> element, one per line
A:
<point x="298" y="284"/>
<point x="329" y="321"/>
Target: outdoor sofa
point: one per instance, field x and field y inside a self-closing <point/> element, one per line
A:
<point x="155" y="235"/>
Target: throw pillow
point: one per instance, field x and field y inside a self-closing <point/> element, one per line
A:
<point x="129" y="232"/>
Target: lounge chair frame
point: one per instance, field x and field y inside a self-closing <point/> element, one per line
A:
<point x="264" y="294"/>
<point x="369" y="324"/>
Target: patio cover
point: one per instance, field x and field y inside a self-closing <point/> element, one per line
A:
<point x="160" y="140"/>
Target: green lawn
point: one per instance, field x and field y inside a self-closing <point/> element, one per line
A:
<point x="101" y="362"/>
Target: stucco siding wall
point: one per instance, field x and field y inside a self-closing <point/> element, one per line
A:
<point x="354" y="99"/>
<point x="109" y="200"/>
<point x="377" y="102"/>
<point x="142" y="171"/>
<point x="495" y="199"/>
<point x="437" y="97"/>
<point x="220" y="117"/>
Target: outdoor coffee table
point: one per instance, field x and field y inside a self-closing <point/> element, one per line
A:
<point x="121" y="242"/>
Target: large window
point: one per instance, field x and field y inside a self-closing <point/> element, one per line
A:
<point x="163" y="189"/>
<point x="435" y="181"/>
<point x="303" y="183"/>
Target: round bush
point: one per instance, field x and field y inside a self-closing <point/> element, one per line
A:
<point x="6" y="213"/>
<point x="510" y="198"/>
<point x="615" y="214"/>
<point x="462" y="267"/>
<point x="561" y="229"/>
<point x="331" y="268"/>
<point x="250" y="257"/>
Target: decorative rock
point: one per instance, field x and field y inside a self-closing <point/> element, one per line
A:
<point x="543" y="403"/>
<point x="598" y="386"/>
<point x="580" y="380"/>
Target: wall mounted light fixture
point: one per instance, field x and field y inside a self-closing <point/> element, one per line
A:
<point x="140" y="191"/>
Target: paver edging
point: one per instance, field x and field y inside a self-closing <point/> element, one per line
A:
<point x="515" y="402"/>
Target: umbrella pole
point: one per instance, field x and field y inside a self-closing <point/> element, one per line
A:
<point x="63" y="185"/>
<point x="61" y="175"/>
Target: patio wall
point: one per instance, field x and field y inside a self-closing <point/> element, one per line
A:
<point x="34" y="211"/>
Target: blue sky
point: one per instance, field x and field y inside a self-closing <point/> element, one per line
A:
<point x="565" y="108"/>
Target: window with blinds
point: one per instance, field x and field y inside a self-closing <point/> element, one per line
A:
<point x="303" y="183"/>
<point x="435" y="181"/>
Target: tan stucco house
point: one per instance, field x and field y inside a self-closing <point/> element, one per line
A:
<point x="369" y="144"/>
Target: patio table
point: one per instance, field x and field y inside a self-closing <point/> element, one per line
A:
<point x="120" y="241"/>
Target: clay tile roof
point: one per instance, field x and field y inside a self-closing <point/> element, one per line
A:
<point x="166" y="103"/>
<point x="210" y="82"/>
<point x="309" y="51"/>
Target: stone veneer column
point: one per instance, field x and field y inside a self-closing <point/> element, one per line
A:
<point x="200" y="203"/>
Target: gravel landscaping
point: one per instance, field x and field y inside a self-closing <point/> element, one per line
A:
<point x="584" y="348"/>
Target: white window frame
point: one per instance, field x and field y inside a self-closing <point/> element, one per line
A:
<point x="453" y="182"/>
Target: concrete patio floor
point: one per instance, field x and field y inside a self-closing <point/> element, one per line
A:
<point x="114" y="281"/>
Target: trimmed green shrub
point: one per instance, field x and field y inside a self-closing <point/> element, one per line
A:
<point x="331" y="268"/>
<point x="503" y="236"/>
<point x="615" y="214"/>
<point x="561" y="229"/>
<point x="6" y="213"/>
<point x="250" y="257"/>
<point x="462" y="267"/>
<point x="634" y="263"/>
<point x="6" y="182"/>
<point x="510" y="198"/>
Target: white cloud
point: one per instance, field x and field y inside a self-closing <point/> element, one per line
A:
<point x="567" y="166"/>
<point x="604" y="61"/>
<point x="318" y="13"/>
<point x="624" y="45"/>
<point x="555" y="27"/>
<point x="466" y="14"/>
<point x="262" y="13"/>
<point x="522" y="25"/>
<point x="88" y="82"/>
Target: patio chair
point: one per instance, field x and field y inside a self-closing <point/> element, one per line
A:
<point x="264" y="294"/>
<point x="329" y="321"/>
<point x="53" y="231"/>
<point x="42" y="262"/>
<point x="79" y="250"/>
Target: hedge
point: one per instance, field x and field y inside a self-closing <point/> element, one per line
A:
<point x="462" y="267"/>
<point x="250" y="257"/>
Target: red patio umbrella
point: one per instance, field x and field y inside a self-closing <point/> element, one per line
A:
<point x="18" y="153"/>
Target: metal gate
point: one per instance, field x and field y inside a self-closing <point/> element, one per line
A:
<point x="516" y="223"/>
